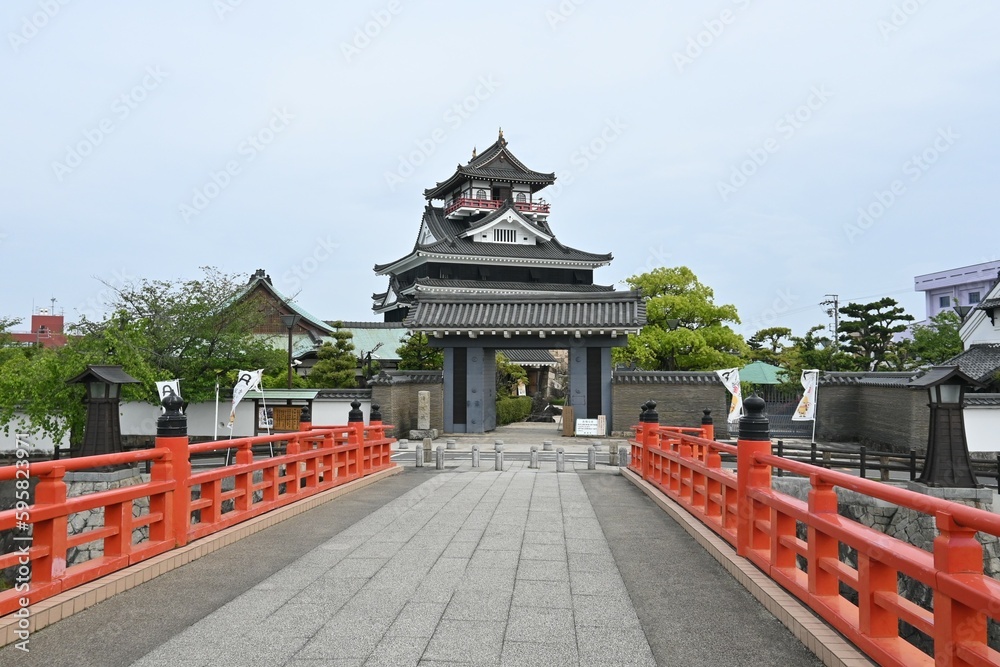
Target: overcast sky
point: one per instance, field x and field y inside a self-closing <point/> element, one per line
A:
<point x="737" y="137"/>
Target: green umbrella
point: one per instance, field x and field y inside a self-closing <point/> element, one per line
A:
<point x="759" y="372"/>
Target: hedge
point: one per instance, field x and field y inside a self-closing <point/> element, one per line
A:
<point x="510" y="410"/>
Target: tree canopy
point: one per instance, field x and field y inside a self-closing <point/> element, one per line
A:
<point x="686" y="330"/>
<point x="416" y="354"/>
<point x="868" y="335"/>
<point x="200" y="331"/>
<point x="336" y="366"/>
<point x="939" y="340"/>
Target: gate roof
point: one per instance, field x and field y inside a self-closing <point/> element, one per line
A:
<point x="602" y="313"/>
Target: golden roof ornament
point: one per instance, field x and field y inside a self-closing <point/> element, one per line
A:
<point x="473" y="152"/>
<point x="503" y="142"/>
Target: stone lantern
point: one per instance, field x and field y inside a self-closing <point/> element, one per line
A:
<point x="102" y="433"/>
<point x="947" y="463"/>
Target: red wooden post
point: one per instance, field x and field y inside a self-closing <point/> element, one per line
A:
<point x="650" y="437"/>
<point x="356" y="440"/>
<point x="305" y="419"/>
<point x="707" y="425"/>
<point x="822" y="500"/>
<point x="956" y="551"/>
<point x="50" y="492"/>
<point x="754" y="439"/>
<point x="171" y="434"/>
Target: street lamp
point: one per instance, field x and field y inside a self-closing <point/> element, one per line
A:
<point x="290" y="321"/>
<point x="947" y="463"/>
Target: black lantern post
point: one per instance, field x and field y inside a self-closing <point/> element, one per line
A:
<point x="947" y="463"/>
<point x="102" y="433"/>
<point x="290" y="321"/>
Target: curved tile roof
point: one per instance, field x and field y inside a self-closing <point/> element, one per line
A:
<point x="495" y="163"/>
<point x="609" y="310"/>
<point x="450" y="243"/>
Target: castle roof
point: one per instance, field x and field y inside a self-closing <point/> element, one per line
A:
<point x="442" y="238"/>
<point x="496" y="163"/>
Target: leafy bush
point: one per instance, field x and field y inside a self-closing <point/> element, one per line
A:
<point x="510" y="410"/>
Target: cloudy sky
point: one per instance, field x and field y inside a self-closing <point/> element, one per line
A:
<point x="782" y="150"/>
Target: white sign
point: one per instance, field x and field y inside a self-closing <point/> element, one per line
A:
<point x="587" y="427"/>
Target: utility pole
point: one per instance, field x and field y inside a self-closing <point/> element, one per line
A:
<point x="834" y="301"/>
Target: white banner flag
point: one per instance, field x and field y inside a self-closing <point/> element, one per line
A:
<point x="731" y="378"/>
<point x="806" y="410"/>
<point x="245" y="381"/>
<point x="168" y="387"/>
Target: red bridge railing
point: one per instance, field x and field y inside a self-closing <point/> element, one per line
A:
<point x="766" y="527"/>
<point x="315" y="460"/>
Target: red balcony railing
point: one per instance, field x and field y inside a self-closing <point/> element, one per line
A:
<point x="799" y="544"/>
<point x="183" y="505"/>
<point x="493" y="204"/>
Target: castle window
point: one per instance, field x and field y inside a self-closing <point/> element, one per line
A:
<point x="482" y="194"/>
<point x="521" y="199"/>
<point x="504" y="235"/>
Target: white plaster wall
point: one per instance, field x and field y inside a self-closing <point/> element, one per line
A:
<point x="9" y="440"/>
<point x="140" y="419"/>
<point x="982" y="428"/>
<point x="334" y="413"/>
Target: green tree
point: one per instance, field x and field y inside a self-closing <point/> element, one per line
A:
<point x="868" y="335"/>
<point x="508" y="375"/>
<point x="34" y="396"/>
<point x="810" y="351"/>
<point x="416" y="354"/>
<point x="686" y="330"/>
<point x="769" y="345"/>
<point x="939" y="340"/>
<point x="194" y="330"/>
<point x="336" y="366"/>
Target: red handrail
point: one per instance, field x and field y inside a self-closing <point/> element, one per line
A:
<point x="492" y="204"/>
<point x="764" y="526"/>
<point x="315" y="460"/>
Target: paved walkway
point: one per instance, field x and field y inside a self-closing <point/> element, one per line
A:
<point x="457" y="567"/>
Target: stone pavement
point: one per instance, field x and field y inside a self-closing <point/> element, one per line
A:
<point x="476" y="567"/>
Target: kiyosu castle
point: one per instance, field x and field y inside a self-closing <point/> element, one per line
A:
<point x="487" y="273"/>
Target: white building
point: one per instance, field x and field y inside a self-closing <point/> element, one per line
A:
<point x="965" y="286"/>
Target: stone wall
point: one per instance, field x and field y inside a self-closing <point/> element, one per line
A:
<point x="396" y="392"/>
<point x="680" y="397"/>
<point x="876" y="409"/>
<point x="837" y="414"/>
<point x="82" y="484"/>
<point x="894" y="418"/>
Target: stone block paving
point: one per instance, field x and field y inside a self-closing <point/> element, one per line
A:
<point x="473" y="567"/>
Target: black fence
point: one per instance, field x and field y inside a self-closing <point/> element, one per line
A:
<point x="780" y="408"/>
<point x="875" y="464"/>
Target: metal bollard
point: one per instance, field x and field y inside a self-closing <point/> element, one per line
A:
<point x="439" y="463"/>
<point x="560" y="460"/>
<point x="475" y="456"/>
<point x="450" y="444"/>
<point x="533" y="463"/>
<point x="419" y="451"/>
<point x="591" y="458"/>
<point x="498" y="457"/>
<point x="623" y="454"/>
<point x="404" y="444"/>
<point x="546" y="445"/>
